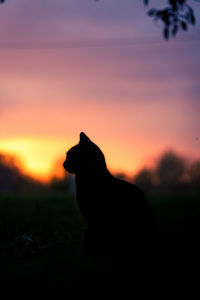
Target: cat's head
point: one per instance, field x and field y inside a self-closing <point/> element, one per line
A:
<point x="85" y="157"/>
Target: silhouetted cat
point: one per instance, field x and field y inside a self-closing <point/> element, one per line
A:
<point x="119" y="218"/>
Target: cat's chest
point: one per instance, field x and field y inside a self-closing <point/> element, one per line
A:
<point x="93" y="197"/>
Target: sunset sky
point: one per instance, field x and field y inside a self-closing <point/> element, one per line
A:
<point x="101" y="67"/>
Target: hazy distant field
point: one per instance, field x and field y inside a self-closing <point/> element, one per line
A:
<point x="41" y="239"/>
<point x="57" y="214"/>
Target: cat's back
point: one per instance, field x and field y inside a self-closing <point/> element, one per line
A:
<point x="130" y="205"/>
<point x="125" y="192"/>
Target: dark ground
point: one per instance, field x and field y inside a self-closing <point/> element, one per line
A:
<point x="41" y="250"/>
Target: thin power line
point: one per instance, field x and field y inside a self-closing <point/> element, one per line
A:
<point x="45" y="45"/>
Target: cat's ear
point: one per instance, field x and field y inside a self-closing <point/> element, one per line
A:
<point x="84" y="138"/>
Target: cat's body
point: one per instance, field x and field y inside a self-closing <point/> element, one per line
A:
<point x="117" y="213"/>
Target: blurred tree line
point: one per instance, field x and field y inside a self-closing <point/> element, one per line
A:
<point x="171" y="173"/>
<point x="12" y="179"/>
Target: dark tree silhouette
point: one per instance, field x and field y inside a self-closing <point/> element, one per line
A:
<point x="60" y="184"/>
<point x="176" y="15"/>
<point x="9" y="173"/>
<point x="194" y="176"/>
<point x="11" y="177"/>
<point x="170" y="170"/>
<point x="144" y="179"/>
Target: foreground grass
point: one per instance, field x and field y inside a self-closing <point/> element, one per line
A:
<point x="41" y="241"/>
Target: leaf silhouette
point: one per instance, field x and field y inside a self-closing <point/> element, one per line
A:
<point x="166" y="33"/>
<point x="174" y="30"/>
<point x="184" y="25"/>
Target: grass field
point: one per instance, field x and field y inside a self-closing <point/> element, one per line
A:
<point x="41" y="242"/>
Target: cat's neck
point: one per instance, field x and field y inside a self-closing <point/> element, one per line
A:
<point x="92" y="176"/>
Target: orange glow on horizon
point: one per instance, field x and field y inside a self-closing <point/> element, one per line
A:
<point x="37" y="157"/>
<point x="42" y="157"/>
<point x="121" y="103"/>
